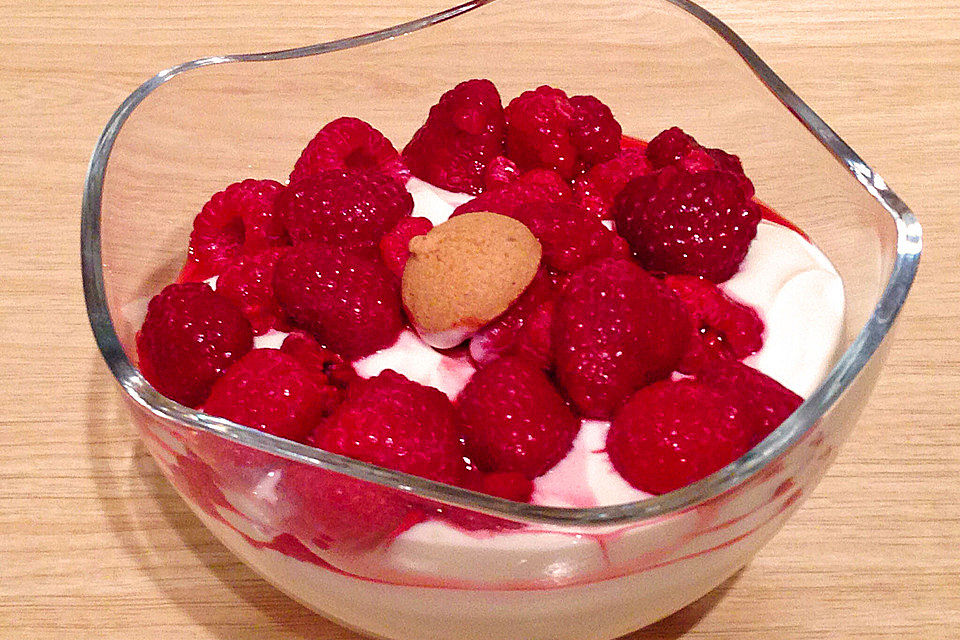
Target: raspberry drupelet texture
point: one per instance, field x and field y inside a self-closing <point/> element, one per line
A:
<point x="463" y="133"/>
<point x="615" y="329"/>
<point x="499" y="173"/>
<point x="538" y="131"/>
<point x="343" y="206"/>
<point x="525" y="328"/>
<point x="248" y="283"/>
<point x="325" y="366"/>
<point x="596" y="189"/>
<point x="723" y="327"/>
<point x="334" y="511"/>
<point x="595" y="132"/>
<point x="672" y="433"/>
<point x="674" y="147"/>
<point x="235" y="222"/>
<point x="395" y="423"/>
<point x="395" y="245"/>
<point x="348" y="301"/>
<point x="546" y="129"/>
<point x="532" y="186"/>
<point x="348" y="144"/>
<point x="270" y="391"/>
<point x="698" y="224"/>
<point x="188" y="339"/>
<point x="764" y="403"/>
<point x="513" y="419"/>
<point x="570" y="236"/>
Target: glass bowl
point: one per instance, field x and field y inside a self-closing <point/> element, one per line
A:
<point x="525" y="571"/>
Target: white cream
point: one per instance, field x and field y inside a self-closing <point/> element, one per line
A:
<point x="413" y="358"/>
<point x="799" y="297"/>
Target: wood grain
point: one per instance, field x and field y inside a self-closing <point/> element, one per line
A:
<point x="93" y="543"/>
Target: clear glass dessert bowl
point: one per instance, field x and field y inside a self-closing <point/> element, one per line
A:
<point x="525" y="570"/>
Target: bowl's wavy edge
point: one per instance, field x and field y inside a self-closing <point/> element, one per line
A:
<point x="909" y="245"/>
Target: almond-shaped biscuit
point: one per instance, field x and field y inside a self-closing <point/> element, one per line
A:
<point x="465" y="272"/>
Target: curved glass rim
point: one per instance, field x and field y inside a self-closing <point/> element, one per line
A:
<point x="904" y="268"/>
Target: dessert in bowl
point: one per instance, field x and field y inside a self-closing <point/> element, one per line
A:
<point x="510" y="550"/>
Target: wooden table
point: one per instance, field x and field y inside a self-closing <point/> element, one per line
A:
<point x="95" y="544"/>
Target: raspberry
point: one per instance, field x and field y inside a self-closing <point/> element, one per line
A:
<point x="546" y="129"/>
<point x="672" y="433"/>
<point x="675" y="148"/>
<point x="570" y="237"/>
<point x="723" y="327"/>
<point x="236" y="221"/>
<point x="323" y="365"/>
<point x="538" y="131"/>
<point x="189" y="337"/>
<point x="499" y="173"/>
<point x="248" y="283"/>
<point x="615" y="329"/>
<point x="699" y="224"/>
<point x="763" y="402"/>
<point x="348" y="301"/>
<point x="538" y="184"/>
<point x="347" y="144"/>
<point x="335" y="511"/>
<point x="509" y="485"/>
<point x="513" y="419"/>
<point x="462" y="135"/>
<point x="394" y="246"/>
<point x="595" y="133"/>
<point x="524" y="328"/>
<point x="596" y="189"/>
<point x="392" y="422"/>
<point x="344" y="207"/>
<point x="270" y="391"/>
<point x="669" y="146"/>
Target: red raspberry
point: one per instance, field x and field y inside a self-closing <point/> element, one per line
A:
<point x="538" y="184"/>
<point x="723" y="327"/>
<point x="394" y="246"/>
<point x="392" y="422"/>
<point x="332" y="510"/>
<point x="596" y="189"/>
<point x="669" y="146"/>
<point x="323" y="365"/>
<point x="270" y="391"/>
<point x="525" y="328"/>
<point x="344" y="207"/>
<point x="672" y="433"/>
<point x="675" y="148"/>
<point x="615" y="329"/>
<point x="248" y="283"/>
<point x="570" y="237"/>
<point x="509" y="485"/>
<point x="763" y="402"/>
<point x="698" y="224"/>
<point x="189" y="337"/>
<point x="236" y="221"/>
<point x="513" y="419"/>
<point x="538" y="131"/>
<point x="463" y="134"/>
<point x="595" y="133"/>
<point x="499" y="173"/>
<point x="347" y="144"/>
<point x="349" y="302"/>
<point x="547" y="129"/>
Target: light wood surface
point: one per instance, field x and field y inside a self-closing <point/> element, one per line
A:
<point x="95" y="544"/>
